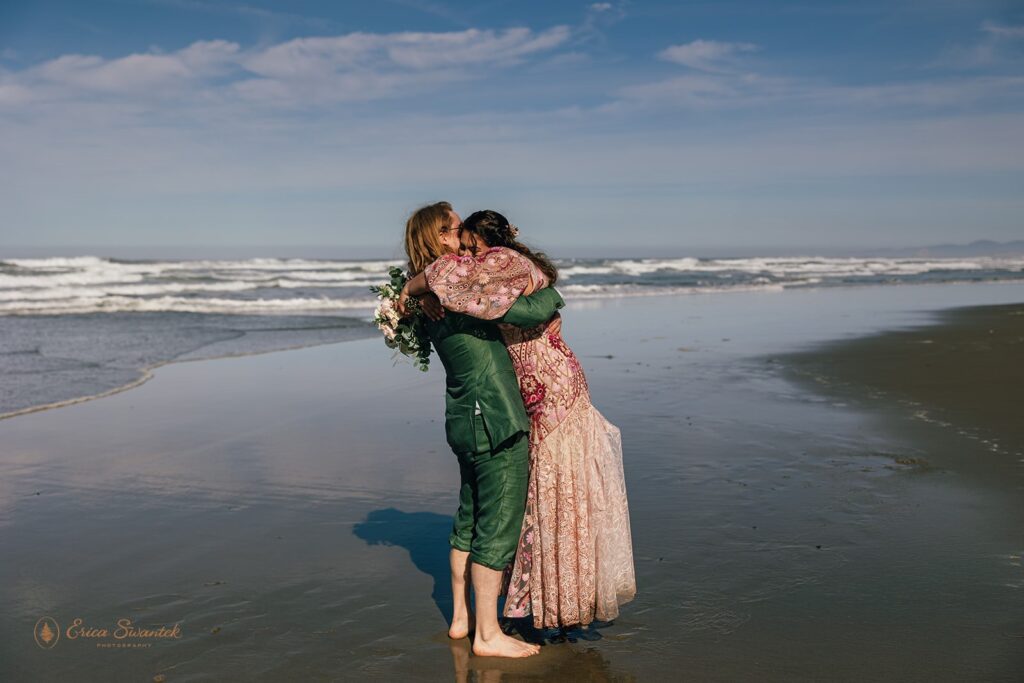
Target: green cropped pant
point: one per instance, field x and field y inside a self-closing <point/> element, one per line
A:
<point x="492" y="499"/>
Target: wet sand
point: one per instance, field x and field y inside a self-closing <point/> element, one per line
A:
<point x="290" y="511"/>
<point x="965" y="372"/>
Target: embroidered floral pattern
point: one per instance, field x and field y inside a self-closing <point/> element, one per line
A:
<point x="574" y="562"/>
<point x="533" y="391"/>
<point x="482" y="286"/>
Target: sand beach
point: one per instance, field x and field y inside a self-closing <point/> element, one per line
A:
<point x="824" y="485"/>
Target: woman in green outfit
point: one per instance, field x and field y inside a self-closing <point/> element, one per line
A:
<point x="487" y="427"/>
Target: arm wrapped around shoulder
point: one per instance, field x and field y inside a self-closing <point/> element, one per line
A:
<point x="534" y="309"/>
<point x="483" y="287"/>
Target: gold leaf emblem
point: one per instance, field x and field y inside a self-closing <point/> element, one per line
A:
<point x="46" y="632"/>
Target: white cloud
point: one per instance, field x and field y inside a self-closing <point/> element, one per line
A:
<point x="696" y="91"/>
<point x="1003" y="31"/>
<point x="749" y="91"/>
<point x="354" y="66"/>
<point x="938" y="93"/>
<point x="995" y="48"/>
<point x="366" y="66"/>
<point x="347" y="86"/>
<point x="705" y="55"/>
<point x="718" y="83"/>
<point x="312" y="57"/>
<point x="14" y="95"/>
<point x="133" y="72"/>
<point x="472" y="47"/>
<point x="206" y="56"/>
<point x="599" y="16"/>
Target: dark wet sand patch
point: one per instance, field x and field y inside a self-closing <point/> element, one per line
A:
<point x="965" y="371"/>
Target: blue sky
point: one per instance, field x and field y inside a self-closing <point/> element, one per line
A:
<point x="641" y="126"/>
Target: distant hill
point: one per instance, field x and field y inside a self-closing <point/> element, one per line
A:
<point x="975" y="248"/>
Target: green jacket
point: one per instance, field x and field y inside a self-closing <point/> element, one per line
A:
<point x="479" y="371"/>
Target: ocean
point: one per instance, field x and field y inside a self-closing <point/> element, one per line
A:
<point x="78" y="327"/>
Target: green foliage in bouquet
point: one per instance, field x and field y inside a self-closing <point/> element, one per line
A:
<point x="408" y="335"/>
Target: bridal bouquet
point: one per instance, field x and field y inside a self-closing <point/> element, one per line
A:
<point x="407" y="335"/>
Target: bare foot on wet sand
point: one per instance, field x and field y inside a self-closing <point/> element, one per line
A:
<point x="503" y="646"/>
<point x="462" y="625"/>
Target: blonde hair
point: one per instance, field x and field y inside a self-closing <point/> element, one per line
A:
<point x="422" y="238"/>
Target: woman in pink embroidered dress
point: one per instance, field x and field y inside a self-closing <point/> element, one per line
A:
<point x="574" y="562"/>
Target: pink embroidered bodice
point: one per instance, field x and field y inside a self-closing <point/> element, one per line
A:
<point x="485" y="286"/>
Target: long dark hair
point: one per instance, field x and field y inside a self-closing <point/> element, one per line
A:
<point x="497" y="232"/>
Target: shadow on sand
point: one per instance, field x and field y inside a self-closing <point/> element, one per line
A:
<point x="425" y="536"/>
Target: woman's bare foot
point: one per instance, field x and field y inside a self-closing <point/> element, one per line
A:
<point x="503" y="646"/>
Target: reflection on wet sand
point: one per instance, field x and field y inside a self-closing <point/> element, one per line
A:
<point x="556" y="662"/>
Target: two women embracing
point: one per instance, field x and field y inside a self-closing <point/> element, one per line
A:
<point x="543" y="517"/>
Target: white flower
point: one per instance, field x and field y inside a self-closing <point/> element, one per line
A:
<point x="405" y="336"/>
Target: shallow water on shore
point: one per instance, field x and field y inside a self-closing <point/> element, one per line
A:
<point x="54" y="360"/>
<point x="290" y="511"/>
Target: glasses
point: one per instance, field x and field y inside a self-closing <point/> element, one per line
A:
<point x="445" y="231"/>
